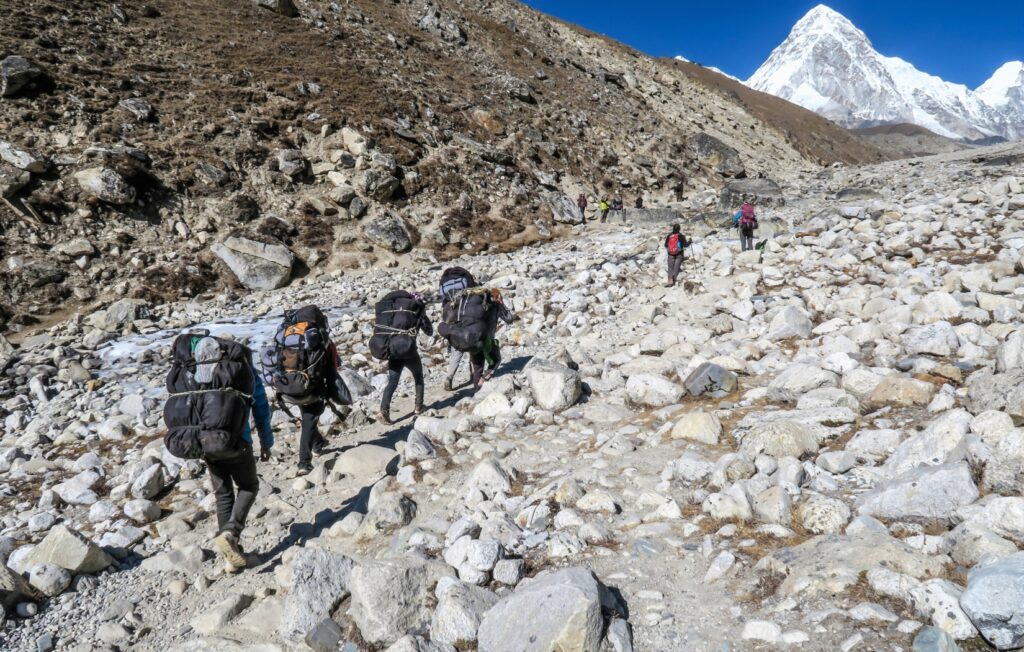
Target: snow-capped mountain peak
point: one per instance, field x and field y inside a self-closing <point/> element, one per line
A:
<point x="829" y="66"/>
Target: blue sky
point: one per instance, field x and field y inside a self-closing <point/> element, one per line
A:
<point x="962" y="42"/>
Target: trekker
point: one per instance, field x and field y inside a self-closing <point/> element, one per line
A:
<point x="581" y="203"/>
<point x="676" y="244"/>
<point x="400" y="316"/>
<point x="603" y="209"/>
<point x="453" y="281"/>
<point x="639" y="202"/>
<point x="470" y="321"/>
<point x="747" y="224"/>
<point x="301" y="364"/>
<point x="617" y="207"/>
<point x="213" y="389"/>
<point x="484" y="364"/>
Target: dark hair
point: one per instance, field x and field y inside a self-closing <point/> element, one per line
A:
<point x="675" y="228"/>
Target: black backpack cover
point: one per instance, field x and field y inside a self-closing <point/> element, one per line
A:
<point x="469" y="320"/>
<point x="397" y="318"/>
<point x="455" y="280"/>
<point x="206" y="420"/>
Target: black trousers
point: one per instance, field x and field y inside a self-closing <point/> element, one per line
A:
<point x="310" y="415"/>
<point x="227" y="476"/>
<point x="395" y="367"/>
<point x="478" y="361"/>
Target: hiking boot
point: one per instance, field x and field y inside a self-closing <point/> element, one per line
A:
<point x="251" y="561"/>
<point x="319" y="446"/>
<point x="304" y="469"/>
<point x="419" y="409"/>
<point x="448" y="384"/>
<point x="226" y="544"/>
<point x="384" y="418"/>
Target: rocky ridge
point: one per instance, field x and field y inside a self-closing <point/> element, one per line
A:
<point x="655" y="469"/>
<point x="162" y="150"/>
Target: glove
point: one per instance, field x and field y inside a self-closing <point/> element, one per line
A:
<point x="264" y="454"/>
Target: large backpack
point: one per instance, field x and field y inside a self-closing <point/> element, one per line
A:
<point x="397" y="318"/>
<point x="747" y="210"/>
<point x="675" y="244"/>
<point x="469" y="320"/>
<point x="455" y="280"/>
<point x="294" y="363"/>
<point x="210" y="386"/>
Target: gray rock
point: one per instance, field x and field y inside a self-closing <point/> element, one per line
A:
<point x="325" y="637"/>
<point x="320" y="581"/>
<point x="49" y="579"/>
<point x="14" y="588"/>
<point x="388" y="232"/>
<point x="710" y="379"/>
<point x="138" y="107"/>
<point x="994" y="601"/>
<point x="142" y="511"/>
<point x="556" y="610"/>
<point x="149" y="483"/>
<point x="555" y="387"/>
<point x="106" y="185"/>
<point x="392" y="598"/>
<point x="760" y="192"/>
<point x="930" y="492"/>
<point x="12" y="180"/>
<point x="257" y="266"/>
<point x="418" y="447"/>
<point x="781" y="438"/>
<point x="187" y="560"/>
<point x="933" y="639"/>
<point x="716" y="155"/>
<point x="16" y="73"/>
<point x="565" y="210"/>
<point x="70" y="550"/>
<point x="215" y="618"/>
<point x="460" y="609"/>
<point x="283" y="7"/>
<point x="22" y="159"/>
<point x="798" y="379"/>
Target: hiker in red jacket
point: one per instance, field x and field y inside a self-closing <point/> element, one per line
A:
<point x="747" y="224"/>
<point x="675" y="244"/>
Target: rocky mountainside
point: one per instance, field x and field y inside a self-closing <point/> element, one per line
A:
<point x="815" y="446"/>
<point x="908" y="141"/>
<point x="159" y="150"/>
<point x="829" y="66"/>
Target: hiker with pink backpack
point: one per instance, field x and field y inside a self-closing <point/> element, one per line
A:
<point x="746" y="221"/>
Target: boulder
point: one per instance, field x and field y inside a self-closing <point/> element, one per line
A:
<point x="22" y="159"/>
<point x="994" y="601"/>
<point x="565" y="210"/>
<point x="70" y="550"/>
<point x="106" y="185"/>
<point x="320" y="581"/>
<point x="653" y="391"/>
<point x="142" y="511"/>
<point x="927" y="492"/>
<point x="798" y="379"/>
<point x="761" y="192"/>
<point x="388" y="232"/>
<point x="16" y="73"/>
<point x="849" y="556"/>
<point x="12" y="180"/>
<point x="556" y="610"/>
<point x="937" y="338"/>
<point x="716" y="155"/>
<point x="392" y="598"/>
<point x="992" y="391"/>
<point x="782" y="438"/>
<point x="365" y="462"/>
<point x="555" y="387"/>
<point x="823" y="515"/>
<point x="283" y="7"/>
<point x="943" y="441"/>
<point x="1004" y="472"/>
<point x="788" y="323"/>
<point x="256" y="265"/>
<point x="698" y="426"/>
<point x="14" y="588"/>
<point x="49" y="579"/>
<point x="933" y="639"/>
<point x="899" y="392"/>
<point x="939" y="601"/>
<point x="460" y="609"/>
<point x="710" y="379"/>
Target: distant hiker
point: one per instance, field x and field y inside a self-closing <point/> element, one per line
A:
<point x="603" y="209"/>
<point x="453" y="281"/>
<point x="212" y="390"/>
<point x="639" y="202"/>
<point x="617" y="207"/>
<point x="675" y="244"/>
<point x="581" y="203"/>
<point x="747" y="224"/>
<point x="301" y="364"/>
<point x="470" y="322"/>
<point x="400" y="316"/>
